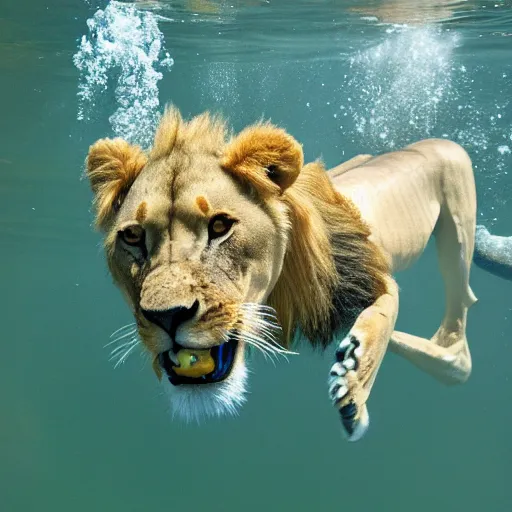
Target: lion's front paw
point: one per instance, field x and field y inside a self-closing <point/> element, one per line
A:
<point x="344" y="388"/>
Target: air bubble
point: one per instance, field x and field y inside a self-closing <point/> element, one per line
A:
<point x="124" y="47"/>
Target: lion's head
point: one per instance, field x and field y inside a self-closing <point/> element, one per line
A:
<point x="195" y="236"/>
<point x="199" y="236"/>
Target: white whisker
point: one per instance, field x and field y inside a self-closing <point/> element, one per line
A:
<point x="120" y="348"/>
<point x="266" y="354"/>
<point x="268" y="315"/>
<point x="124" y="346"/>
<point x="268" y="334"/>
<point x="125" y="355"/>
<point x="265" y="350"/>
<point x="258" y="327"/>
<point x="267" y="337"/>
<point x="258" y="343"/>
<point x="258" y="307"/>
<point x="119" y="338"/>
<point x="124" y="327"/>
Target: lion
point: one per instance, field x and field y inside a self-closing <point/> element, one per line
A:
<point x="222" y="242"/>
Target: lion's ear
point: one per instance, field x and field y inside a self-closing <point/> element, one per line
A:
<point x="112" y="166"/>
<point x="266" y="156"/>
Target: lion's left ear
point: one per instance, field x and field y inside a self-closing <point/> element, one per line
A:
<point x="266" y="156"/>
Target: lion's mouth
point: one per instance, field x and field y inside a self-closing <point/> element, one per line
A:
<point x="223" y="357"/>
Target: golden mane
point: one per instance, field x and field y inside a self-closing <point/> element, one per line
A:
<point x="331" y="270"/>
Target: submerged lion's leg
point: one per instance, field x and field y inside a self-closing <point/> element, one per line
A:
<point x="446" y="356"/>
<point x="358" y="358"/>
<point x="450" y="365"/>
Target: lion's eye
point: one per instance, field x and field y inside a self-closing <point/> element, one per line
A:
<point x="219" y="226"/>
<point x="132" y="235"/>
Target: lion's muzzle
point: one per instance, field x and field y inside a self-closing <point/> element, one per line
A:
<point x="170" y="319"/>
<point x="191" y="364"/>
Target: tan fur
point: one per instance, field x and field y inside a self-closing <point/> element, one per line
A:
<point x="265" y="156"/>
<point x="331" y="270"/>
<point x="205" y="133"/>
<point x="349" y="164"/>
<point x="112" y="167"/>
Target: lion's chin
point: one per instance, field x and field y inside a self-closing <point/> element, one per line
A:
<point x="194" y="401"/>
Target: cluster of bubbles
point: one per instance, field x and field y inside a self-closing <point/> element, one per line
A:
<point x="397" y="87"/>
<point x="221" y="84"/>
<point x="124" y="51"/>
<point x="408" y="87"/>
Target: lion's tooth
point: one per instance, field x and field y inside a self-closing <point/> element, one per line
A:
<point x="174" y="357"/>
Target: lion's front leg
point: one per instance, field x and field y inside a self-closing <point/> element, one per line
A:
<point x="358" y="358"/>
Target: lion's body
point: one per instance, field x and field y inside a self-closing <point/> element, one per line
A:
<point x="209" y="238"/>
<point x="400" y="195"/>
<point x="406" y="197"/>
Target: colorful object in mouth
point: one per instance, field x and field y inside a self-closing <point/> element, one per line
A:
<point x="194" y="363"/>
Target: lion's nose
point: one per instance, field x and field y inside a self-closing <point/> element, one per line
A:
<point x="170" y="319"/>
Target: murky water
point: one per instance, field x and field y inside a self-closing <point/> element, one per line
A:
<point x="344" y="77"/>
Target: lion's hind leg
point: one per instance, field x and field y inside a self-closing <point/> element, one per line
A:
<point x="446" y="356"/>
<point x="450" y="365"/>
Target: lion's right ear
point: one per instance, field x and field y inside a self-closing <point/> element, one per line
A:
<point x="112" y="166"/>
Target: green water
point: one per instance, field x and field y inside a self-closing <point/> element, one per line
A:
<point x="75" y="434"/>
